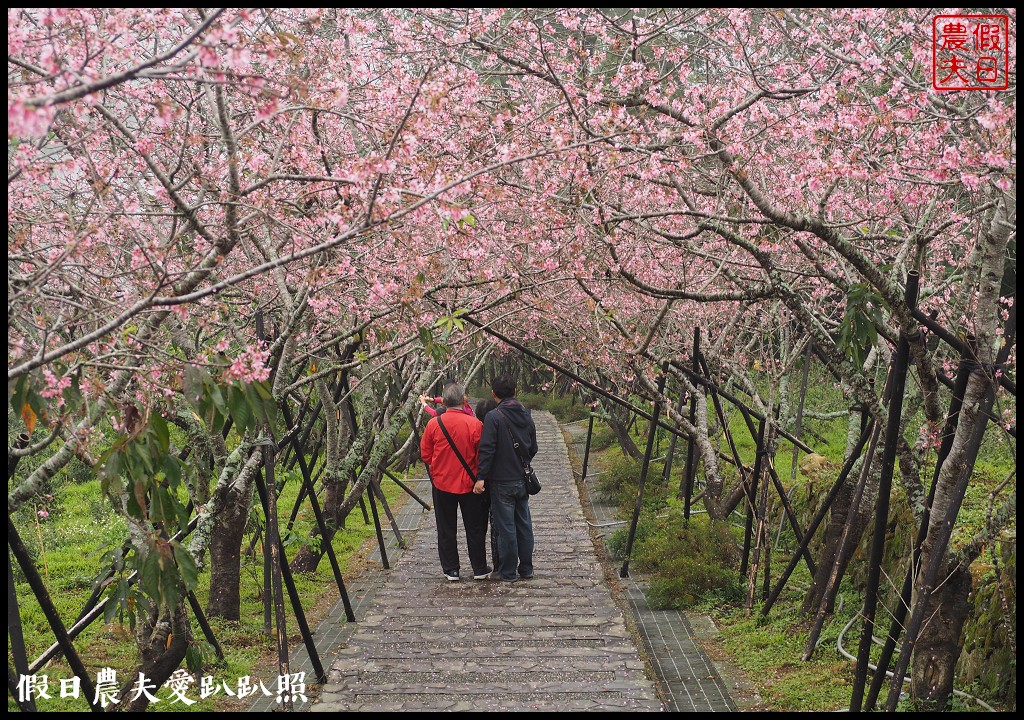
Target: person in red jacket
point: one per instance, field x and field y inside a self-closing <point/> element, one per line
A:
<point x="425" y="400"/>
<point x="452" y="485"/>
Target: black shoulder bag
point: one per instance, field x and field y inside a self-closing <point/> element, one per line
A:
<point x="451" y="443"/>
<point x="529" y="476"/>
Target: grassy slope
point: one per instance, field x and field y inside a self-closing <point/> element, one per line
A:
<point x="74" y="535"/>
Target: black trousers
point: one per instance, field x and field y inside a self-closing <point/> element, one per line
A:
<point x="486" y="499"/>
<point x="474" y="519"/>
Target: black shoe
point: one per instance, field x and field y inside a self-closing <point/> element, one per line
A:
<point x="496" y="576"/>
<point x="526" y="577"/>
<point x="452" y="576"/>
<point x="483" y="574"/>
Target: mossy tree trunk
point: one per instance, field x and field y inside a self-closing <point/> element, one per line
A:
<point x="163" y="636"/>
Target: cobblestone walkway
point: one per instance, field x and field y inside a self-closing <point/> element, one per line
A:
<point x="557" y="642"/>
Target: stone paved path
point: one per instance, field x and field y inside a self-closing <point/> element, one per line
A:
<point x="557" y="642"/>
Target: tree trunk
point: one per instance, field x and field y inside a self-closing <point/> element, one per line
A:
<point x="938" y="646"/>
<point x="226" y="552"/>
<point x="309" y="556"/>
<point x="629" y="447"/>
<point x="831" y="539"/>
<point x="340" y="421"/>
<point x="162" y="637"/>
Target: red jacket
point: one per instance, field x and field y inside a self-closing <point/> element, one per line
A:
<point x="445" y="469"/>
<point x="437" y="401"/>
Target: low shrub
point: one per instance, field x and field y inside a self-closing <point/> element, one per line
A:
<point x="690" y="563"/>
<point x="602" y="437"/>
<point x="616" y="542"/>
<point x="566" y="408"/>
<point x="620" y="478"/>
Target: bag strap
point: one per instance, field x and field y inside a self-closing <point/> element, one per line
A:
<point x="451" y="443"/>
<point x="515" y="443"/>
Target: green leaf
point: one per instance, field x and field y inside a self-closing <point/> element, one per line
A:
<point x="73" y="395"/>
<point x="213" y="390"/>
<point x="260" y="401"/>
<point x="262" y="390"/>
<point x="142" y="465"/>
<point x="160" y="433"/>
<point x="161" y="507"/>
<point x="19" y="394"/>
<point x="183" y="515"/>
<point x="133" y="506"/>
<point x="171" y="469"/>
<point x="439" y="351"/>
<point x="110" y="472"/>
<point x="241" y="412"/>
<point x="149" y="576"/>
<point x="114" y="604"/>
<point x="194" y="659"/>
<point x="194" y="386"/>
<point x="36" y="401"/>
<point x="187" y="567"/>
<point x="170" y="587"/>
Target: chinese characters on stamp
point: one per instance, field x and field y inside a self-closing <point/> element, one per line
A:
<point x="970" y="52"/>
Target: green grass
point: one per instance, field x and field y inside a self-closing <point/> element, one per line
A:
<point x="769" y="653"/>
<point x="80" y="527"/>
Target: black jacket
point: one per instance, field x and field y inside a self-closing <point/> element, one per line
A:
<point x="498" y="460"/>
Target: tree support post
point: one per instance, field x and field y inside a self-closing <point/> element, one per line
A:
<point x="380" y="532"/>
<point x="15" y="636"/>
<point x="670" y="456"/>
<point x="798" y="431"/>
<point x="205" y="625"/>
<point x="928" y="578"/>
<point x="375" y="489"/>
<point x="624" y="571"/>
<point x="408" y="490"/>
<point x="289" y="582"/>
<point x="691" y="443"/>
<point x="892" y="432"/>
<point x="751" y="495"/>
<point x="816" y="521"/>
<point x="307" y="484"/>
<point x="843" y="553"/>
<point x="268" y="592"/>
<point x="586" y="447"/>
<point x="17" y="547"/>
<point x="788" y="512"/>
<point x="26" y="705"/>
<point x="273" y="543"/>
<point x="14" y="633"/>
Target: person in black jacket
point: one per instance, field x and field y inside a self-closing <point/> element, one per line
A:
<point x="501" y="471"/>
<point x="482" y="408"/>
